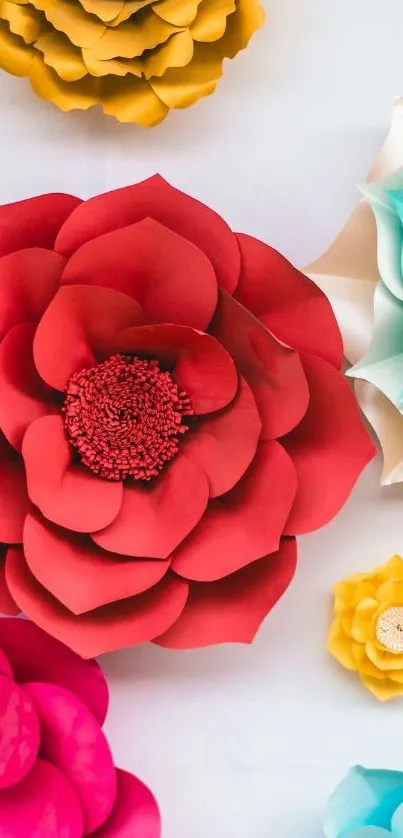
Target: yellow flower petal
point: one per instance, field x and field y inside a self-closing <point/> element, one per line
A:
<point x="391" y="592"/>
<point x="131" y="39"/>
<point x="23" y="21"/>
<point x="382" y="690"/>
<point x="241" y="26"/>
<point x="66" y="95"/>
<point x="15" y="56"/>
<point x="211" y="21"/>
<point x="177" y="52"/>
<point x="106" y="10"/>
<point x="132" y="100"/>
<point x="130" y="8"/>
<point x="60" y="54"/>
<point x="364" y="665"/>
<point x="114" y="67"/>
<point x="82" y="30"/>
<point x="383" y="660"/>
<point x="181" y="88"/>
<point x="393" y="569"/>
<point x="363" y="619"/>
<point x="178" y="12"/>
<point x="340" y="646"/>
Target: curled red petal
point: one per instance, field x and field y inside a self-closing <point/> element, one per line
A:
<point x="171" y="279"/>
<point x="329" y="449"/>
<point x="34" y="222"/>
<point x="92" y="318"/>
<point x="202" y="366"/>
<point x="72" y="740"/>
<point x="106" y="629"/>
<point x="104" y="577"/>
<point x="288" y="303"/>
<point x="20" y="734"/>
<point x="154" y="519"/>
<point x="135" y="813"/>
<point x="232" y="609"/>
<point x="5" y="666"/>
<point x="243" y="525"/>
<point x="7" y="604"/>
<point x="224" y="444"/>
<point x="23" y="395"/>
<point x="35" y="656"/>
<point x="25" y="807"/>
<point x="14" y="501"/>
<point x="155" y="198"/>
<point x="65" y="492"/>
<point x="273" y="371"/>
<point x="28" y="281"/>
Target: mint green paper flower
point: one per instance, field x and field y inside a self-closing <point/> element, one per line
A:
<point x="367" y="804"/>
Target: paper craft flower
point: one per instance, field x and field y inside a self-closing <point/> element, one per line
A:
<point x="135" y="58"/>
<point x="366" y="634"/>
<point x="368" y="803"/>
<point x="173" y="415"/>
<point x="362" y="275"/>
<point x="57" y="775"/>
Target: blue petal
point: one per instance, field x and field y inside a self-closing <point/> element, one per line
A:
<point x="364" y="798"/>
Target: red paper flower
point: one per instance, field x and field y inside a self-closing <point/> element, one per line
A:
<point x="173" y="415"/>
<point x="57" y="775"/>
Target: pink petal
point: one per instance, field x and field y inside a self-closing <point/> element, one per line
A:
<point x="14" y="502"/>
<point x="104" y="577"/>
<point x="5" y="666"/>
<point x="288" y="303"/>
<point x="43" y="805"/>
<point x="28" y="281"/>
<point x="171" y="279"/>
<point x="35" y="656"/>
<point x="273" y="371"/>
<point x="224" y="444"/>
<point x="72" y="739"/>
<point x="201" y="365"/>
<point x="92" y="318"/>
<point x="243" y="525"/>
<point x="154" y="520"/>
<point x="34" y="222"/>
<point x="116" y="626"/>
<point x="135" y="814"/>
<point x="155" y="198"/>
<point x="23" y="395"/>
<point x="329" y="449"/>
<point x="19" y="734"/>
<point x="66" y="493"/>
<point x="232" y="609"/>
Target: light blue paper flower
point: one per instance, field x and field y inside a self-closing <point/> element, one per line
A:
<point x="367" y="804"/>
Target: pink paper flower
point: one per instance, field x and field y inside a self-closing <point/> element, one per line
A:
<point x="57" y="775"/>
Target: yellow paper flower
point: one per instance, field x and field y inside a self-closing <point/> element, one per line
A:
<point x="136" y="58"/>
<point x="366" y="634"/>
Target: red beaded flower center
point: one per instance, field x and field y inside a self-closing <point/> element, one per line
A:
<point x="125" y="417"/>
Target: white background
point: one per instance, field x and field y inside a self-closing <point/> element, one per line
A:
<point x="248" y="742"/>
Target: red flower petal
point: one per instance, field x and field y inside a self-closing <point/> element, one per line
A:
<point x="329" y="448"/>
<point x="171" y="279"/>
<point x="28" y="281"/>
<point x="202" y="366"/>
<point x="72" y="739"/>
<point x="288" y="303"/>
<point x="154" y="519"/>
<point x="243" y="525"/>
<point x="14" y="502"/>
<point x="25" y="808"/>
<point x="92" y="318"/>
<point x="20" y="735"/>
<point x="135" y="814"/>
<point x="223" y="445"/>
<point x="106" y="629"/>
<point x="65" y="492"/>
<point x="35" y="656"/>
<point x="104" y="577"/>
<point x="34" y="222"/>
<point x="7" y="604"/>
<point x="273" y="371"/>
<point x="5" y="666"/>
<point x="232" y="609"/>
<point x="23" y="395"/>
<point x="155" y="198"/>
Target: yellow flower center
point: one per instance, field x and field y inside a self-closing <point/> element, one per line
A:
<point x="389" y="629"/>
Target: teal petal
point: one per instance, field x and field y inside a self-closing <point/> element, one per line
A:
<point x="364" y="798"/>
<point x="369" y="832"/>
<point x="397" y="822"/>
<point x="382" y="364"/>
<point x="390" y="230"/>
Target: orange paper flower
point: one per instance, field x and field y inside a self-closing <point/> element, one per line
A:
<point x="136" y="58"/>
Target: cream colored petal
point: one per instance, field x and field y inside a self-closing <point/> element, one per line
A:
<point x="183" y="87"/>
<point x="15" y="56"/>
<point x="106" y="10"/>
<point x="177" y="52"/>
<point x="211" y="21"/>
<point x="82" y="30"/>
<point x="24" y="21"/>
<point x="132" y="100"/>
<point x="178" y="12"/>
<point x="66" y="95"/>
<point x="114" y="67"/>
<point x="62" y="56"/>
<point x="390" y="156"/>
<point x="387" y="423"/>
<point x="131" y="39"/>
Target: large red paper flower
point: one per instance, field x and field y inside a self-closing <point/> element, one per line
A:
<point x="57" y="775"/>
<point x="173" y="415"/>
